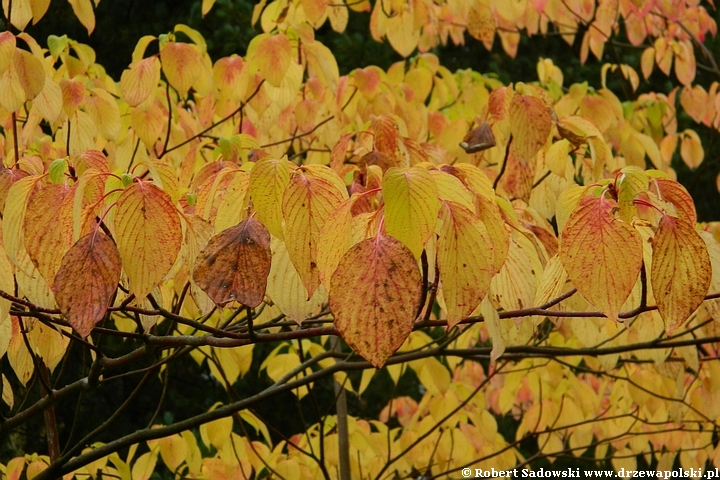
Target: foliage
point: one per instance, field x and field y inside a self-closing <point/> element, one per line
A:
<point x="293" y="231"/>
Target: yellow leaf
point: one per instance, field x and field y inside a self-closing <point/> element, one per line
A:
<point x="647" y="62"/>
<point x="49" y="101"/>
<point x="7" y="50"/>
<point x="149" y="123"/>
<point x="14" y="216"/>
<point x="182" y="64"/>
<point x="307" y="203"/>
<point x="556" y="158"/>
<point x="336" y="238"/>
<point x="233" y="207"/>
<point x="402" y="34"/>
<point x="84" y="12"/>
<point x="452" y="189"/>
<point x="515" y="284"/>
<point x="713" y="248"/>
<point x="273" y="56"/>
<point x="530" y="124"/>
<point x="285" y="288"/>
<point x="411" y="206"/>
<point x="681" y="270"/>
<point x="465" y="258"/>
<point x="12" y="94"/>
<point x="481" y="23"/>
<point x="374" y="296"/>
<point x="144" y="466"/>
<point x="18" y="355"/>
<point x="39" y="8"/>
<point x="173" y="450"/>
<point x="31" y="73"/>
<point x="685" y="62"/>
<point x="268" y="180"/>
<point x="207" y="6"/>
<point x="691" y="149"/>
<point x="138" y="82"/>
<point x="590" y="246"/>
<point x="21" y="12"/>
<point x="492" y="321"/>
<point x="148" y="235"/>
<point x="103" y="110"/>
<point x="7" y="393"/>
<point x="322" y="64"/>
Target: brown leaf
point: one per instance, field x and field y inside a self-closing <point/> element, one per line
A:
<point x="478" y="139"/>
<point x="86" y="281"/>
<point x="374" y="294"/>
<point x="235" y="264"/>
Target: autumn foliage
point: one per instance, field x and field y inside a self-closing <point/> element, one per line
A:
<point x="524" y="249"/>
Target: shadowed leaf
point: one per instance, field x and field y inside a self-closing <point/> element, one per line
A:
<point x="235" y="264"/>
<point x="86" y="281"/>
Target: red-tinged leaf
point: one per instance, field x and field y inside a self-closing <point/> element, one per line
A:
<point x="387" y="141"/>
<point x="518" y="177"/>
<point x="182" y="64"/>
<point x="138" y="82"/>
<point x="73" y="93"/>
<point x="530" y="124"/>
<point x="49" y="228"/>
<point x="465" y="258"/>
<point x="676" y="194"/>
<point x="12" y="94"/>
<point x="411" y="206"/>
<point x="31" y="73"/>
<point x="235" y="264"/>
<point x="149" y="123"/>
<point x="227" y="76"/>
<point x="86" y="281"/>
<point x="148" y="233"/>
<point x="7" y="50"/>
<point x="374" y="296"/>
<point x="601" y="255"/>
<point x="307" y="203"/>
<point x="273" y="56"/>
<point x="8" y="176"/>
<point x="268" y="180"/>
<point x="49" y="102"/>
<point x="681" y="270"/>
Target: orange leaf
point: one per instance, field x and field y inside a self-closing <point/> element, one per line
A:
<point x="73" y="93"/>
<point x="148" y="233"/>
<point x="49" y="228"/>
<point x="530" y="124"/>
<point x="182" y="65"/>
<point x="681" y="270"/>
<point x="602" y="255"/>
<point x="481" y="24"/>
<point x="465" y="257"/>
<point x="138" y="82"/>
<point x="273" y="57"/>
<point x="31" y="73"/>
<point x="691" y="149"/>
<point x="374" y="295"/>
<point x="235" y="264"/>
<point x="307" y="203"/>
<point x="86" y="281"/>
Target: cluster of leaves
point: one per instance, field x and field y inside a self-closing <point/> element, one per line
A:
<point x="202" y="208"/>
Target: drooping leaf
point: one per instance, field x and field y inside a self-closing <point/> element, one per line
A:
<point x="148" y="234"/>
<point x="681" y="270"/>
<point x="235" y="264"/>
<point x="86" y="281"/>
<point x="530" y="124"/>
<point x="273" y="56"/>
<point x="374" y="295"/>
<point x="49" y="228"/>
<point x="602" y="255"/>
<point x="31" y="73"/>
<point x="182" y="64"/>
<point x="335" y="239"/>
<point x="268" y="180"/>
<point x="307" y="203"/>
<point x="139" y="81"/>
<point x="411" y="206"/>
<point x="465" y="257"/>
<point x="84" y="12"/>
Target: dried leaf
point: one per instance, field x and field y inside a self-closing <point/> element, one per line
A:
<point x="86" y="281"/>
<point x="374" y="295"/>
<point x="235" y="264"/>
